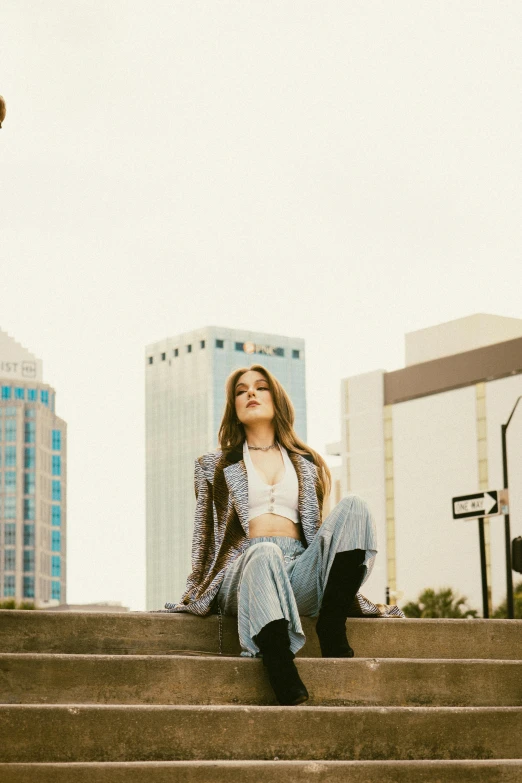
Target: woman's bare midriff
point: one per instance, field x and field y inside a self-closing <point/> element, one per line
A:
<point x="273" y="525"/>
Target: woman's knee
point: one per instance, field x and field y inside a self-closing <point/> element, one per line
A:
<point x="352" y="503"/>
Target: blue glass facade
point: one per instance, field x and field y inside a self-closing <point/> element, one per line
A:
<point x="28" y="586"/>
<point x="9" y="585"/>
<point x="31" y="513"/>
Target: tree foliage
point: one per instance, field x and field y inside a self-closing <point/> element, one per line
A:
<point x="501" y="610"/>
<point x="443" y="603"/>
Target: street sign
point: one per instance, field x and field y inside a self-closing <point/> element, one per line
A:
<point x="490" y="503"/>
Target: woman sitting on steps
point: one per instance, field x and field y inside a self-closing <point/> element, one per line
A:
<point x="259" y="549"/>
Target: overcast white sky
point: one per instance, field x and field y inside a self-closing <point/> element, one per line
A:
<point x="342" y="171"/>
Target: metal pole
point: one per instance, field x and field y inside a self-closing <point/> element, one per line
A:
<point x="483" y="572"/>
<point x="507" y="531"/>
<point x="507" y="527"/>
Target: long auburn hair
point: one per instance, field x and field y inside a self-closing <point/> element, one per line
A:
<point x="232" y="432"/>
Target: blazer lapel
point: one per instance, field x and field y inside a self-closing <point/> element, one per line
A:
<point x="307" y="504"/>
<point x="237" y="483"/>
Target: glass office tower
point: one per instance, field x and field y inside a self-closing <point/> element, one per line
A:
<point x="185" y="397"/>
<point x="33" y="460"/>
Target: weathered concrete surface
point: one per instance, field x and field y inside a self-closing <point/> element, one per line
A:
<point x="143" y="633"/>
<point x="166" y="733"/>
<point x="268" y="771"/>
<point x="29" y="678"/>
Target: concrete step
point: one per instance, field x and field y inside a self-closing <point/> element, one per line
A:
<point x="492" y="771"/>
<point x="144" y="633"/>
<point x="168" y="733"/>
<point x="29" y="678"/>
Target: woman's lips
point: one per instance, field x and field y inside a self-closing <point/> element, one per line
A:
<point x="251" y="404"/>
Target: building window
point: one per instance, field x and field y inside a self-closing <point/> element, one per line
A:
<point x="56" y="590"/>
<point x="28" y="586"/>
<point x="30" y="413"/>
<point x="201" y="344"/>
<point x="56" y="491"/>
<point x="19" y="393"/>
<point x="30" y="431"/>
<point x="29" y="508"/>
<point x="28" y="535"/>
<point x="31" y="395"/>
<point x="151" y="359"/>
<point x="176" y="353"/>
<point x="163" y="357"/>
<point x="9" y="586"/>
<point x="56" y="566"/>
<point x="10" y="456"/>
<point x="28" y="561"/>
<point x="6" y="392"/>
<point x="10" y="507"/>
<point x="10" y="534"/>
<point x="240" y="347"/>
<point x="57" y="465"/>
<point x="10" y="430"/>
<point x="56" y="541"/>
<point x="295" y="354"/>
<point x="56" y="516"/>
<point x="189" y="349"/>
<point x="279" y="351"/>
<point x="29" y="483"/>
<point x="9" y="560"/>
<point x="10" y="481"/>
<point x="220" y="343"/>
<point x="44" y="396"/>
<point x="30" y="457"/>
<point x="57" y="440"/>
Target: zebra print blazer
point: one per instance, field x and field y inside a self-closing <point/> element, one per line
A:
<point x="221" y="521"/>
<point x="221" y="527"/>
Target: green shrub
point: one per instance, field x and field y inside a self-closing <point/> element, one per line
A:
<point x="443" y="603"/>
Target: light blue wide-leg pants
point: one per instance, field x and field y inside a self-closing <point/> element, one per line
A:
<point x="278" y="577"/>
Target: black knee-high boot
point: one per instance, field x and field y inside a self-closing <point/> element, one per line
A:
<point x="344" y="580"/>
<point x="274" y="643"/>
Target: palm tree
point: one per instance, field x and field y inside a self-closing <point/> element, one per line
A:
<point x="444" y="603"/>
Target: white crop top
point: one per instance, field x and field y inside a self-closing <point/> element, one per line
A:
<point x="280" y="498"/>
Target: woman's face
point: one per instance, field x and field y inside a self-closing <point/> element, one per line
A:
<point x="253" y="399"/>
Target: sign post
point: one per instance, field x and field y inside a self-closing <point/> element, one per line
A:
<point x="490" y="503"/>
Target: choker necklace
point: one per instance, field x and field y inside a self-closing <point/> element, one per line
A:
<point x="262" y="448"/>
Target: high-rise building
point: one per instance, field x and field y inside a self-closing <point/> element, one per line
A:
<point x="413" y="439"/>
<point x="33" y="482"/>
<point x="185" y="398"/>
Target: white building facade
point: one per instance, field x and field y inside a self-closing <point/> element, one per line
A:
<point x="413" y="439"/>
<point x="185" y="399"/>
<point x="33" y="482"/>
